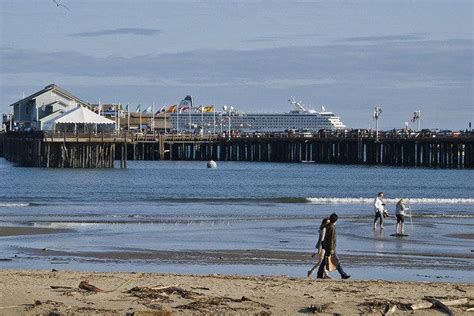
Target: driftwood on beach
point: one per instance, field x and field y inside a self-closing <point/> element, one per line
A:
<point x="44" y="292"/>
<point x="60" y="287"/>
<point x="89" y="287"/>
<point x="443" y="305"/>
<point x="161" y="291"/>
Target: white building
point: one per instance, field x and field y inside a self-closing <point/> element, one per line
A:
<point x="31" y="112"/>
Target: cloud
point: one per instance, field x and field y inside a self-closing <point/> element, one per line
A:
<point x="401" y="75"/>
<point x="428" y="61"/>
<point x="387" y="38"/>
<point x="440" y="61"/>
<point x="276" y="38"/>
<point x="119" y="31"/>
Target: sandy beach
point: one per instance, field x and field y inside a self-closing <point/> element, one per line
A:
<point x="30" y="292"/>
<point x="180" y="250"/>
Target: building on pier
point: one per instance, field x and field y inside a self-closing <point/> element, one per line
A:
<point x="80" y="119"/>
<point x="33" y="111"/>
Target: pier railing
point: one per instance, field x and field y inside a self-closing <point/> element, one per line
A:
<point x="134" y="136"/>
<point x="97" y="150"/>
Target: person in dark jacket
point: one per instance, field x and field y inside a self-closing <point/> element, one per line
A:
<point x="329" y="246"/>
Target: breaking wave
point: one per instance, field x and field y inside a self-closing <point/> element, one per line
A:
<point x="16" y="204"/>
<point x="361" y="200"/>
<point x="311" y="200"/>
<point x="229" y="200"/>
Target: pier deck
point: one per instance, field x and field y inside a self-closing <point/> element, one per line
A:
<point x="69" y="150"/>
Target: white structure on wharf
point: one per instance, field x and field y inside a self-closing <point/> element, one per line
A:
<point x="186" y="117"/>
<point x="33" y="111"/>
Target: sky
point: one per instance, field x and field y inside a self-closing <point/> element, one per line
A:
<point x="348" y="56"/>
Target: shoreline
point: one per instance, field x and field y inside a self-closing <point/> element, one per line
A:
<point x="29" y="292"/>
<point x="12" y="231"/>
<point x="257" y="257"/>
<point x="429" y="264"/>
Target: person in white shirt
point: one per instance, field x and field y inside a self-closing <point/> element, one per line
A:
<point x="379" y="208"/>
<point x="400" y="213"/>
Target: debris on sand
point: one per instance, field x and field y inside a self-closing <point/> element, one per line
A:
<point x="162" y="292"/>
<point x="211" y="303"/>
<point x="89" y="287"/>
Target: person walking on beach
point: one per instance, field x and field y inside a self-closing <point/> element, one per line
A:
<point x="320" y="251"/>
<point x="400" y="209"/>
<point x="329" y="246"/>
<point x="379" y="209"/>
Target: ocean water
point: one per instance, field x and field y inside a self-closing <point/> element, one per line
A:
<point x="241" y="208"/>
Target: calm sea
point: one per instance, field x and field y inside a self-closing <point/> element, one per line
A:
<point x="183" y="206"/>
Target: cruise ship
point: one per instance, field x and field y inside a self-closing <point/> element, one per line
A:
<point x="299" y="118"/>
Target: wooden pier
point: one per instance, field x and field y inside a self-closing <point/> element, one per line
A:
<point x="65" y="150"/>
<point x="426" y="151"/>
<point x="62" y="150"/>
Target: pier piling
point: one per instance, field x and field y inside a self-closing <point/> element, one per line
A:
<point x="63" y="150"/>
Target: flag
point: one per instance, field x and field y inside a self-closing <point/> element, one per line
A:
<point x="138" y="108"/>
<point x="171" y="109"/>
<point x="126" y="108"/>
<point x="183" y="109"/>
<point x="208" y="108"/>
<point x="160" y="110"/>
<point x="147" y="110"/>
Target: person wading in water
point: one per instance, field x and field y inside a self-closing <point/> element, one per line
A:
<point x="379" y="209"/>
<point x="401" y="208"/>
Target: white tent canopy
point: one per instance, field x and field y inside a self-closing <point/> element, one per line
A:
<point x="79" y="116"/>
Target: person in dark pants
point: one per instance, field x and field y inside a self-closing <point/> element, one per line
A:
<point x="379" y="207"/>
<point x="329" y="245"/>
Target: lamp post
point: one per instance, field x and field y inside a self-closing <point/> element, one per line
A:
<point x="417" y="118"/>
<point x="376" y="115"/>
<point x="229" y="110"/>
<point x="10" y="120"/>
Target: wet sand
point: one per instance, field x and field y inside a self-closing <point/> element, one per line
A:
<point x="22" y="230"/>
<point x="258" y="257"/>
<point x="28" y="292"/>
<point x="469" y="236"/>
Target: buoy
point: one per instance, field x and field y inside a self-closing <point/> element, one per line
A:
<point x="211" y="164"/>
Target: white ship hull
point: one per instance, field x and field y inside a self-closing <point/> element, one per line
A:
<point x="256" y="122"/>
<point x="299" y="119"/>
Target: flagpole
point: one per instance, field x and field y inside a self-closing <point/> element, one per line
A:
<point x="118" y="116"/>
<point x="214" y="114"/>
<point x="153" y="117"/>
<point x="128" y="117"/>
<point x="177" y="117"/>
<point x="115" y="106"/>
<point x="165" y="119"/>
<point x="189" y="110"/>
<point x="202" y="119"/>
<point x="140" y="120"/>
